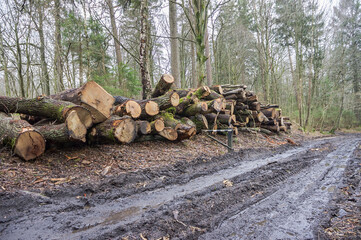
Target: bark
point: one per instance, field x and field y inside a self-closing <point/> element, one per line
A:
<point x="208" y="62"/>
<point x="143" y="52"/>
<point x="213" y="95"/>
<point x="163" y="85"/>
<point x="175" y="60"/>
<point x="143" y="127"/>
<point x="215" y="105"/>
<point x="58" y="49"/>
<point x="91" y="96"/>
<point x="115" y="34"/>
<point x="157" y="125"/>
<point x="4" y="62"/>
<point x="217" y="89"/>
<point x="26" y="142"/>
<point x="170" y="99"/>
<point x="127" y="107"/>
<point x="200" y="121"/>
<point x="193" y="109"/>
<point x="115" y="129"/>
<point x="60" y="133"/>
<point x="169" y="133"/>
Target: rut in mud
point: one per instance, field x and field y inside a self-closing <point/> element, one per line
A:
<point x="237" y="196"/>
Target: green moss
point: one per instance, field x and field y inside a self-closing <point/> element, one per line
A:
<point x="110" y="134"/>
<point x="171" y="110"/>
<point x="167" y="115"/>
<point x="13" y="142"/>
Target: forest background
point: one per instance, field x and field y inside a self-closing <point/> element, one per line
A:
<point x="304" y="55"/>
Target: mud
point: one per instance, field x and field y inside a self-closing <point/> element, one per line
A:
<point x="251" y="194"/>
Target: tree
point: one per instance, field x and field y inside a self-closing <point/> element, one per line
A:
<point x="143" y="52"/>
<point x="175" y="65"/>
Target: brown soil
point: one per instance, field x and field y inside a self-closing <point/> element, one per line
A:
<point x="77" y="165"/>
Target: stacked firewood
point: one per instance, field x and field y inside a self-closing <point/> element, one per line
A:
<point x="90" y="114"/>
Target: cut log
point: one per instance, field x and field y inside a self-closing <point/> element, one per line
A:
<point x="170" y="99"/>
<point x="60" y="134"/>
<point x="269" y="112"/>
<point x="91" y="96"/>
<point x="273" y="128"/>
<point x="45" y="107"/>
<point x="200" y="122"/>
<point x="169" y="120"/>
<point x="230" y="106"/>
<point x="255" y="106"/>
<point x="149" y="108"/>
<point x="232" y="96"/>
<point x="157" y="125"/>
<point x="143" y="127"/>
<point x="229" y="86"/>
<point x="217" y="89"/>
<point x="26" y="142"/>
<point x="269" y="106"/>
<point x="169" y="133"/>
<point x="186" y="130"/>
<point x="114" y="129"/>
<point x="129" y="108"/>
<point x="163" y="85"/>
<point x="183" y="92"/>
<point x="202" y="92"/>
<point x="193" y="109"/>
<point x="215" y="105"/>
<point x="213" y="95"/>
<point x="235" y="92"/>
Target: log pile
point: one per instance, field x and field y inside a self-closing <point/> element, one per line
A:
<point x="90" y="114"/>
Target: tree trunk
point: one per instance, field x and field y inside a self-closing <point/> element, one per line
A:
<point x="163" y="85"/>
<point x="169" y="133"/>
<point x="58" y="49"/>
<point x="61" y="134"/>
<point x="22" y="137"/>
<point x="91" y="96"/>
<point x="148" y="108"/>
<point x="115" y="129"/>
<point x="193" y="109"/>
<point x="125" y="106"/>
<point x="143" y="127"/>
<point x="170" y="99"/>
<point x="208" y="62"/>
<point x="175" y="60"/>
<point x="157" y="125"/>
<point x="200" y="121"/>
<point x="143" y="52"/>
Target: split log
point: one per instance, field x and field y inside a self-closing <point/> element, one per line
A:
<point x="215" y="105"/>
<point x="91" y="96"/>
<point x="26" y="142"/>
<point x="114" y="129"/>
<point x="143" y="127"/>
<point x="200" y="121"/>
<point x="163" y="85"/>
<point x="217" y="89"/>
<point x="47" y="108"/>
<point x="169" y="133"/>
<point x="60" y="133"/>
<point x="170" y="99"/>
<point x="157" y="125"/>
<point x="128" y="107"/>
<point x="193" y="109"/>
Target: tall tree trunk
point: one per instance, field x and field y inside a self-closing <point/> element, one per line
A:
<point x="4" y="62"/>
<point x="143" y="50"/>
<point x="58" y="49"/>
<point x="193" y="60"/>
<point x="116" y="39"/>
<point x="175" y="61"/>
<point x="19" y="62"/>
<point x="208" y="62"/>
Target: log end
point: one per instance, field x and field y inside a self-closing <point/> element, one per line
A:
<point x="174" y="99"/>
<point x="159" y="125"/>
<point x="29" y="145"/>
<point x="133" y="109"/>
<point x="84" y="115"/>
<point x="125" y="130"/>
<point x="169" y="133"/>
<point x="76" y="128"/>
<point x="151" y="108"/>
<point x="168" y="78"/>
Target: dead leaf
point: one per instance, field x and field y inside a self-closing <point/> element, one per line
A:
<point x="106" y="170"/>
<point x="39" y="180"/>
<point x="86" y="162"/>
<point x="71" y="158"/>
<point x="228" y="183"/>
<point x="61" y="180"/>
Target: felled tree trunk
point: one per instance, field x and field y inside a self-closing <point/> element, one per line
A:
<point x="255" y="106"/>
<point x="193" y="109"/>
<point x="170" y="99"/>
<point x="114" y="129"/>
<point x="91" y="96"/>
<point x="148" y="108"/>
<point x="143" y="127"/>
<point x="217" y="89"/>
<point x="169" y="133"/>
<point x="269" y="112"/>
<point x="26" y="142"/>
<point x="163" y="85"/>
<point x="215" y="105"/>
<point x="125" y="106"/>
<point x="45" y="107"/>
<point x="61" y="134"/>
<point x="157" y="125"/>
<point x="213" y="95"/>
<point x="200" y="121"/>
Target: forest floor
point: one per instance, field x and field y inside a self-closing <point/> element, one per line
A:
<point x="188" y="190"/>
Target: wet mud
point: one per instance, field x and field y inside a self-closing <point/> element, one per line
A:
<point x="251" y="194"/>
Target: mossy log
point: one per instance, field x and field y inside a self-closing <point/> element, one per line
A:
<point x="186" y="130"/>
<point x="91" y="96"/>
<point x="26" y="141"/>
<point x="45" y="107"/>
<point x="202" y="92"/>
<point x="184" y="92"/>
<point x="157" y="125"/>
<point x="200" y="122"/>
<point x="129" y="108"/>
<point x="169" y="120"/>
<point x="217" y="89"/>
<point x="170" y="99"/>
<point x="193" y="109"/>
<point x="115" y="129"/>
<point x="143" y="127"/>
<point x="163" y="85"/>
<point x="269" y="113"/>
<point x="61" y="134"/>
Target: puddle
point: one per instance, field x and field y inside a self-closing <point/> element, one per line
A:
<point x="120" y="216"/>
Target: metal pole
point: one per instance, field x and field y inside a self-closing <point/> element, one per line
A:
<point x="230" y="140"/>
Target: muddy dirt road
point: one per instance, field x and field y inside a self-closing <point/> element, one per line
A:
<point x="251" y="194"/>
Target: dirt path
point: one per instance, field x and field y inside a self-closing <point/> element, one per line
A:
<point x="247" y="195"/>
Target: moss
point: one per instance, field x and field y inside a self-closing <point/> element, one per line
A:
<point x="167" y="115"/>
<point x="12" y="142"/>
<point x="110" y="134"/>
<point x="171" y="110"/>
